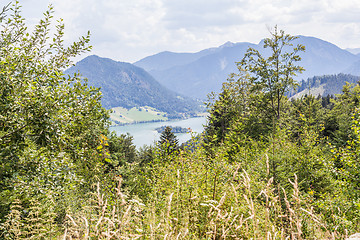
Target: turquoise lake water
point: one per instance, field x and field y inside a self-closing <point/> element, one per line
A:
<point x="145" y="133"/>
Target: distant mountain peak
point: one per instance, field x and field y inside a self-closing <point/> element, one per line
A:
<point x="94" y="57"/>
<point x="228" y="44"/>
<point x="184" y="73"/>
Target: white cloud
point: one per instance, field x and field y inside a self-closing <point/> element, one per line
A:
<point x="201" y="13"/>
<point x="128" y="30"/>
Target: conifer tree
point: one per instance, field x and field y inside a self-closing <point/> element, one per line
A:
<point x="168" y="141"/>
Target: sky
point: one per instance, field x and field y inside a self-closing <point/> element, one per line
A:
<point x="128" y="30"/>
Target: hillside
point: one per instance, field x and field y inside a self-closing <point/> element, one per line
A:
<point x="197" y="74"/>
<point x="325" y="85"/>
<point x="125" y="85"/>
<point x="121" y="115"/>
<point x="355" y="51"/>
<point x="165" y="60"/>
<point x="354" y="69"/>
<point x="203" y="75"/>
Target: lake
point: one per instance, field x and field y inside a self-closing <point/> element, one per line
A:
<point x="145" y="133"/>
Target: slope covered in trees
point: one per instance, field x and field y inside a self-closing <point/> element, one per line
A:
<point x="325" y="85"/>
<point x="264" y="168"/>
<point x="125" y="85"/>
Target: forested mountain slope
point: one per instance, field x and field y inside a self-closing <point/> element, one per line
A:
<point x="125" y="85"/>
<point x="325" y="85"/>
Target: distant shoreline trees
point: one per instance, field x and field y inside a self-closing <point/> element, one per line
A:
<point x="176" y="129"/>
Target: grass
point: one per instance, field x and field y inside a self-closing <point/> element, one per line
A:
<point x="223" y="218"/>
<point x="184" y="202"/>
<point x="136" y="114"/>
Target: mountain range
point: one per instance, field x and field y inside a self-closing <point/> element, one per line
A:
<point x="197" y="74"/>
<point x="126" y="85"/>
<point x="168" y="81"/>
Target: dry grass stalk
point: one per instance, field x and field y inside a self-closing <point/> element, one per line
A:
<point x="105" y="221"/>
<point x="239" y="214"/>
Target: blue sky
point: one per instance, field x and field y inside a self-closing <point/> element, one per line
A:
<point x="128" y="30"/>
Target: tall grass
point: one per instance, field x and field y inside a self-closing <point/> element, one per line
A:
<point x="189" y="196"/>
<point x="240" y="213"/>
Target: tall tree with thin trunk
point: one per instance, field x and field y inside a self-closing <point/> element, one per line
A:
<point x="274" y="75"/>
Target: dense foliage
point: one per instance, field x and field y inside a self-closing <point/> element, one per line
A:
<point x="265" y="167"/>
<point x="52" y="126"/>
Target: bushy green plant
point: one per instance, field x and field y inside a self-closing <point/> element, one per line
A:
<point x="51" y="125"/>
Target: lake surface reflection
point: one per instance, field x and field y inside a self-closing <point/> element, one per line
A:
<point x="145" y="133"/>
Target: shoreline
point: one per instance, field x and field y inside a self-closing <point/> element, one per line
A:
<point x="158" y="120"/>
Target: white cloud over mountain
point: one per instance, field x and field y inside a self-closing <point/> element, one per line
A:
<point x="128" y="30"/>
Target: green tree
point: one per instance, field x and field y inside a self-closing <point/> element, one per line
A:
<point x="121" y="150"/>
<point x="255" y="97"/>
<point x="168" y="141"/>
<point x="344" y="107"/>
<point x="50" y="124"/>
<point x="233" y="110"/>
<point x="342" y="206"/>
<point x="306" y="111"/>
<point x="273" y="76"/>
